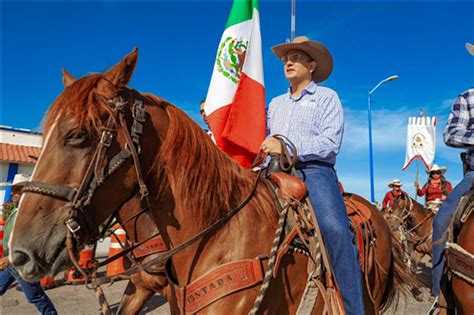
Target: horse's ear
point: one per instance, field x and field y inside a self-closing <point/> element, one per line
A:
<point x="68" y="79"/>
<point x="122" y="72"/>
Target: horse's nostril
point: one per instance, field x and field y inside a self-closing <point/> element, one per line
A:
<point x="20" y="258"/>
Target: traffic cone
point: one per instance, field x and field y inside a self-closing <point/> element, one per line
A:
<point x="48" y="282"/>
<point x="2" y="224"/>
<point x="117" y="240"/>
<point x="85" y="261"/>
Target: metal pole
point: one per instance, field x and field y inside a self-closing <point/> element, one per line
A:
<point x="371" y="154"/>
<point x="293" y="19"/>
<point x="418" y="164"/>
<point x="371" y="159"/>
<point x="416" y="177"/>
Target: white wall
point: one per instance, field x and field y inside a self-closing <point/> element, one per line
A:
<point x="27" y="138"/>
<point x="3" y="178"/>
<point x="25" y="169"/>
<point x="17" y="137"/>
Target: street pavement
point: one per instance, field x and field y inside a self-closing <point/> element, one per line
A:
<point x="76" y="299"/>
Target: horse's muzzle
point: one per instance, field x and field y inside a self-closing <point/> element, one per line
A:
<point x="23" y="261"/>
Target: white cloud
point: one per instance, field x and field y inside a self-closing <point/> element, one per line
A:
<point x="388" y="130"/>
<point x="448" y="103"/>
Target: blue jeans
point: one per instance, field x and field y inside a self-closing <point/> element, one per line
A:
<point x="441" y="223"/>
<point x="330" y="210"/>
<point x="33" y="291"/>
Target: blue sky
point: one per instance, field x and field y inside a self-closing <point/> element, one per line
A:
<point x="422" y="42"/>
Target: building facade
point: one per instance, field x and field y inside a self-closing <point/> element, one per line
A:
<point x="19" y="150"/>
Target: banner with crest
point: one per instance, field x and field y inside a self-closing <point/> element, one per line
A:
<point x="421" y="140"/>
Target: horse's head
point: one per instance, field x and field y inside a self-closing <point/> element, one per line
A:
<point x="400" y="205"/>
<point x="85" y="171"/>
<point x="395" y="214"/>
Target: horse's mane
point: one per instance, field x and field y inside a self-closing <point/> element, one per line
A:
<point x="203" y="179"/>
<point x="78" y="102"/>
<point x="421" y="207"/>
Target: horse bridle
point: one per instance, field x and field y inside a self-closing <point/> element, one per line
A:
<point x="95" y="175"/>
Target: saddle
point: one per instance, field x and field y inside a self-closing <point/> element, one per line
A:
<point x="292" y="190"/>
<point x="458" y="260"/>
<point x="290" y="187"/>
<point x="464" y="210"/>
<point x="289" y="191"/>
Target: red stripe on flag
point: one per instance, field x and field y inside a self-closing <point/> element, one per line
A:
<point x="239" y="128"/>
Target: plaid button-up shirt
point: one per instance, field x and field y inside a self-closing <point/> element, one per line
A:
<point x="314" y="122"/>
<point x="459" y="131"/>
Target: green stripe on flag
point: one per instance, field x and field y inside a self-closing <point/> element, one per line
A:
<point x="242" y="10"/>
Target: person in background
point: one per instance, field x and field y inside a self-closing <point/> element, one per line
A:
<point x="437" y="187"/>
<point x="33" y="291"/>
<point x="389" y="199"/>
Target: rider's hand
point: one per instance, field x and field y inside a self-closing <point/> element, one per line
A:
<point x="443" y="197"/>
<point x="271" y="145"/>
<point x="4" y="263"/>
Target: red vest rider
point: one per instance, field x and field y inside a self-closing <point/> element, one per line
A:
<point x="390" y="197"/>
<point x="437" y="187"/>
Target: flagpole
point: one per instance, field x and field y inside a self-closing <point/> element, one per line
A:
<point x="418" y="164"/>
<point x="293" y="19"/>
<point x="416" y="177"/>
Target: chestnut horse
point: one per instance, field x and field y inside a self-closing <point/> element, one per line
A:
<point x="462" y="290"/>
<point x="143" y="284"/>
<point x="415" y="222"/>
<point x="190" y="184"/>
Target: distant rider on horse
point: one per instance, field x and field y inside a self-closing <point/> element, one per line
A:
<point x="436" y="188"/>
<point x="391" y="196"/>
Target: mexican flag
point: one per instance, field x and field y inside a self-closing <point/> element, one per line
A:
<point x="235" y="102"/>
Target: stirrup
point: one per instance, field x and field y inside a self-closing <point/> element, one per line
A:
<point x="435" y="308"/>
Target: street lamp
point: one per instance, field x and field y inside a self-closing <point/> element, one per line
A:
<point x="392" y="78"/>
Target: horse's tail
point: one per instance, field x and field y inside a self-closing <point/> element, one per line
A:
<point x="400" y="278"/>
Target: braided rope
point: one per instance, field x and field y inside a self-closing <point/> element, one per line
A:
<point x="271" y="262"/>
<point x="41" y="190"/>
<point x="318" y="272"/>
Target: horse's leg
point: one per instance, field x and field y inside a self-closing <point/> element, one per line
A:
<point x="135" y="296"/>
<point x="417" y="256"/>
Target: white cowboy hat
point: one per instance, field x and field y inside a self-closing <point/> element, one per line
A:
<point x="315" y="50"/>
<point x="470" y="48"/>
<point x="436" y="167"/>
<point x="20" y="180"/>
<point x="395" y="182"/>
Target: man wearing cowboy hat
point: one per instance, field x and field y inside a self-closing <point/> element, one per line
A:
<point x="389" y="199"/>
<point x="311" y="117"/>
<point x="33" y="291"/>
<point x="459" y="133"/>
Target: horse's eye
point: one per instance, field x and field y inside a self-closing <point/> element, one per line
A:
<point x="77" y="138"/>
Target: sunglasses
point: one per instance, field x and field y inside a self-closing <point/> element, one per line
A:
<point x="436" y="172"/>
<point x="202" y="112"/>
<point x="294" y="58"/>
